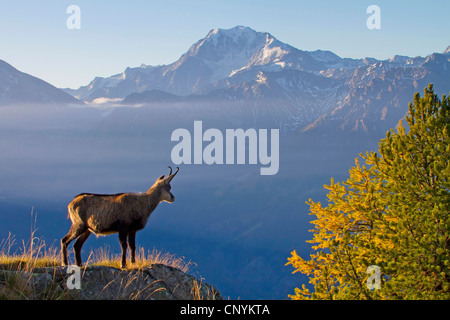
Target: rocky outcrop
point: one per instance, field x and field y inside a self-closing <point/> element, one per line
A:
<point x="156" y="282"/>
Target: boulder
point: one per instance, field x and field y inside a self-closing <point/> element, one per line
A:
<point x="155" y="282"/>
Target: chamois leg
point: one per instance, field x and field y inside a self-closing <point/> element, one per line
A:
<point x="123" y="243"/>
<point x="132" y="245"/>
<point x="74" y="232"/>
<point x="77" y="246"/>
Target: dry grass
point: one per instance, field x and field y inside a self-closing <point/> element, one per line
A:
<point x="103" y="257"/>
<point x="202" y="292"/>
<point x="31" y="254"/>
<point x="34" y="253"/>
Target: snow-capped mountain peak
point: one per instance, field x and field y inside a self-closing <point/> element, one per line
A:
<point x="219" y="55"/>
<point x="224" y="51"/>
<point x="232" y="59"/>
<point x="237" y="34"/>
<point x="225" y="42"/>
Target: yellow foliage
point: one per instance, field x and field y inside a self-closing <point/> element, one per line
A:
<point x="393" y="212"/>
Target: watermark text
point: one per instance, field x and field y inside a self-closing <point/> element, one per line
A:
<point x="229" y="148"/>
<point x="374" y="280"/>
<point x="74" y="280"/>
<point x="74" y="20"/>
<point x="374" y="20"/>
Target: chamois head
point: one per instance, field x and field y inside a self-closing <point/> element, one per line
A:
<point x="164" y="185"/>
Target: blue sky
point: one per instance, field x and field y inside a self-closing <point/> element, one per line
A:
<point x="117" y="34"/>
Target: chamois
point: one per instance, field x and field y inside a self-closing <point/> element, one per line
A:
<point x="103" y="214"/>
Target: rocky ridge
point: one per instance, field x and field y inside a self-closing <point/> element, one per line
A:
<point x="156" y="282"/>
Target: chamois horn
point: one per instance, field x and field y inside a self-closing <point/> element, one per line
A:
<point x="171" y="176"/>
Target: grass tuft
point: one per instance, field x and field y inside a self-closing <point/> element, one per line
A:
<point x="103" y="257"/>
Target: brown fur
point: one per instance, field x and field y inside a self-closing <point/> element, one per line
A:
<point x="123" y="213"/>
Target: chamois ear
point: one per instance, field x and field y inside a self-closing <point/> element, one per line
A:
<point x="160" y="178"/>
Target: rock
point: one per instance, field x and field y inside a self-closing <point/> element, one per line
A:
<point x="156" y="282"/>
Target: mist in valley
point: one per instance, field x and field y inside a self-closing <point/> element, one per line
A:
<point x="238" y="226"/>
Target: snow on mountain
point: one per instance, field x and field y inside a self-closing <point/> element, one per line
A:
<point x="17" y="87"/>
<point x="223" y="53"/>
<point x="224" y="57"/>
<point x="302" y="89"/>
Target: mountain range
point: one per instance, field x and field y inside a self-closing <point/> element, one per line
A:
<point x="305" y="90"/>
